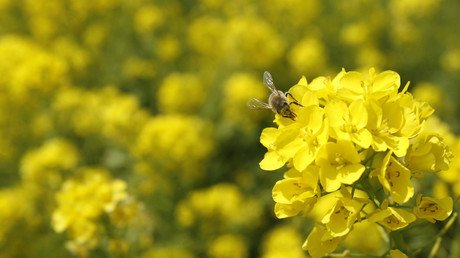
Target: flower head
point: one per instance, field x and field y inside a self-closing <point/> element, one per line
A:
<point x="433" y="209"/>
<point x="396" y="179"/>
<point x="340" y="219"/>
<point x="295" y="194"/>
<point x="320" y="242"/>
<point x="392" y="218"/>
<point x="339" y="164"/>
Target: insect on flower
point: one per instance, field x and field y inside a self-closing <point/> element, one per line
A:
<point x="278" y="101"/>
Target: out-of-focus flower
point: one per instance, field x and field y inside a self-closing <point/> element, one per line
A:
<point x="81" y="203"/>
<point x="181" y="93"/>
<point x="205" y="36"/>
<point x="450" y="61"/>
<point x="228" y="246"/>
<point x="283" y="242"/>
<point x="249" y="40"/>
<point x="43" y="167"/>
<point x="14" y="208"/>
<point x="205" y="207"/>
<point x="430" y="93"/>
<point x="366" y="238"/>
<point x="29" y="70"/>
<point x="148" y="18"/>
<point x="105" y="111"/>
<point x="408" y="8"/>
<point x="308" y="55"/>
<point x="238" y="89"/>
<point x="176" y="143"/>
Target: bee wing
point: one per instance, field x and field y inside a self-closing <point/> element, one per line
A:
<point x="257" y="104"/>
<point x="268" y="81"/>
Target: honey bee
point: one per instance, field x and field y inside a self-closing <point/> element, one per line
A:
<point x="278" y="101"/>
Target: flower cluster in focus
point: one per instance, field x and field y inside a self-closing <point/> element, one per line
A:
<point x="359" y="142"/>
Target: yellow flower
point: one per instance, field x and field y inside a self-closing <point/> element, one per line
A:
<point x="384" y="121"/>
<point x="237" y="90"/>
<point x="282" y="242"/>
<point x="395" y="253"/>
<point x="80" y="203"/>
<point x="339" y="164"/>
<point x="392" y="218"/>
<point x="353" y="85"/>
<point x="320" y="242"/>
<point x="308" y="55"/>
<point x="295" y="194"/>
<point x="428" y="154"/>
<point x="43" y="166"/>
<point x="245" y="42"/>
<point x="205" y="207"/>
<point x="433" y="209"/>
<point x="228" y="246"/>
<point x="179" y="143"/>
<point x="348" y="122"/>
<point x="340" y="219"/>
<point x="180" y="93"/>
<point x="148" y="18"/>
<point x="395" y="179"/>
<point x="366" y="238"/>
<point x="299" y="141"/>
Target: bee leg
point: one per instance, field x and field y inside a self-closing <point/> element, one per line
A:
<point x="293" y="102"/>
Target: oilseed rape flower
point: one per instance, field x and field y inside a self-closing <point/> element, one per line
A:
<point x="433" y="209"/>
<point x="81" y="204"/>
<point x="357" y="141"/>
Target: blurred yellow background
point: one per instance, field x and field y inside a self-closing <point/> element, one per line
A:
<point x="124" y="126"/>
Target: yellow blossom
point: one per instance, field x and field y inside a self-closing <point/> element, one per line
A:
<point x="428" y="154"/>
<point x="320" y="242"/>
<point x="283" y="242"/>
<point x="395" y="253"/>
<point x="228" y="246"/>
<point x="392" y="218"/>
<point x="376" y="86"/>
<point x="348" y="122"/>
<point x="308" y="54"/>
<point x="366" y="238"/>
<point x="148" y="18"/>
<point x="339" y="164"/>
<point x="43" y="166"/>
<point x="237" y="90"/>
<point x="297" y="193"/>
<point x="341" y="218"/>
<point x="395" y="179"/>
<point x="384" y="121"/>
<point x="300" y="141"/>
<point x="180" y="93"/>
<point x="80" y="203"/>
<point x="433" y="209"/>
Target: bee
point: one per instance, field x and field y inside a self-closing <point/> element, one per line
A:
<point x="278" y="101"/>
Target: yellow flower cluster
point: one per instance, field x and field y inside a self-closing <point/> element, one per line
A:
<point x="82" y="204"/>
<point x="359" y="136"/>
